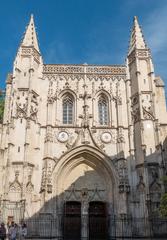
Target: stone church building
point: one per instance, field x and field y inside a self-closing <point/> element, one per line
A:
<point x="82" y="143"/>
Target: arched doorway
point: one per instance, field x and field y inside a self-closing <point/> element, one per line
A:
<point x="72" y="220"/>
<point x="82" y="177"/>
<point x="98" y="224"/>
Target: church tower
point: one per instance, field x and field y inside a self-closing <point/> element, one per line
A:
<point x="148" y="112"/>
<point x="143" y="95"/>
<point x="82" y="145"/>
<point x="20" y="147"/>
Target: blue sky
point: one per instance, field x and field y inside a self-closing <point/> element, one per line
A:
<point x="79" y="31"/>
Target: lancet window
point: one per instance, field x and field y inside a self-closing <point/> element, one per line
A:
<point x="68" y="109"/>
<point x="103" y="110"/>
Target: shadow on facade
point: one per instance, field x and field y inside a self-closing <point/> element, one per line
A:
<point x="88" y="209"/>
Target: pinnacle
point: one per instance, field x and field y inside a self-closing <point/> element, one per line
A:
<point x="137" y="39"/>
<point x="30" y="36"/>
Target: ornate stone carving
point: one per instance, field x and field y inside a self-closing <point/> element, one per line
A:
<point x="141" y="184"/>
<point x="85" y="117"/>
<point x="101" y="84"/>
<point x="49" y="135"/>
<point x="67" y="85"/>
<point x="106" y="137"/>
<point x="66" y="69"/>
<point x="53" y="68"/>
<point x="135" y="99"/>
<point x="29" y="185"/>
<point x="15" y="186"/>
<point x="84" y="194"/>
<point x="121" y="167"/>
<point x="50" y="97"/>
<point x="49" y="177"/>
<point x="30" y="51"/>
<point x="143" y="53"/>
<point x="121" y="138"/>
<point x="44" y="180"/>
<point x="106" y="69"/>
<point x="132" y="57"/>
<point x="124" y="186"/>
<point x="135" y="114"/>
<point x="22" y="103"/>
<point x="46" y="183"/>
<point x="33" y="112"/>
<point x="147" y="113"/>
<point x="78" y="77"/>
<point x="21" y="112"/>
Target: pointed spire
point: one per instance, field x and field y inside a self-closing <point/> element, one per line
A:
<point x="30" y="36"/>
<point x="137" y="39"/>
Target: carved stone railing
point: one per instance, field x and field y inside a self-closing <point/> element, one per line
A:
<point x="84" y="69"/>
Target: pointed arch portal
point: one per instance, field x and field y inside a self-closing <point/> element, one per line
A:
<point x="85" y="180"/>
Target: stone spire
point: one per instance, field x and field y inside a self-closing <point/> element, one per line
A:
<point x="30" y="36"/>
<point x="137" y="39"/>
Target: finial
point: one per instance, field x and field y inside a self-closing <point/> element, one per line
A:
<point x="135" y="18"/>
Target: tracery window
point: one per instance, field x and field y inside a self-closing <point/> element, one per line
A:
<point x="68" y="109"/>
<point x="103" y="110"/>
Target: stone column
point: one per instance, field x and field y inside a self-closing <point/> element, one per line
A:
<point x="84" y="220"/>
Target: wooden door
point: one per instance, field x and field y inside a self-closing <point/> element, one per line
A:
<point x="72" y="220"/>
<point x="98" y="228"/>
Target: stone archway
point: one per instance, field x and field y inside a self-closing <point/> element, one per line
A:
<point x="85" y="176"/>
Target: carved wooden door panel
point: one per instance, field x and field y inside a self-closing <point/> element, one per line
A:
<point x="98" y="228"/>
<point x="72" y="221"/>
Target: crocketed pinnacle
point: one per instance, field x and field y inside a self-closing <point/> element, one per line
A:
<point x="137" y="39"/>
<point x="30" y="36"/>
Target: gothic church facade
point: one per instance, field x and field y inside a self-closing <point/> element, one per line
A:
<point x="82" y="138"/>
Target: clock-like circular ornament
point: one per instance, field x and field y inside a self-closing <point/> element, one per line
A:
<point x="63" y="136"/>
<point x="106" y="137"/>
